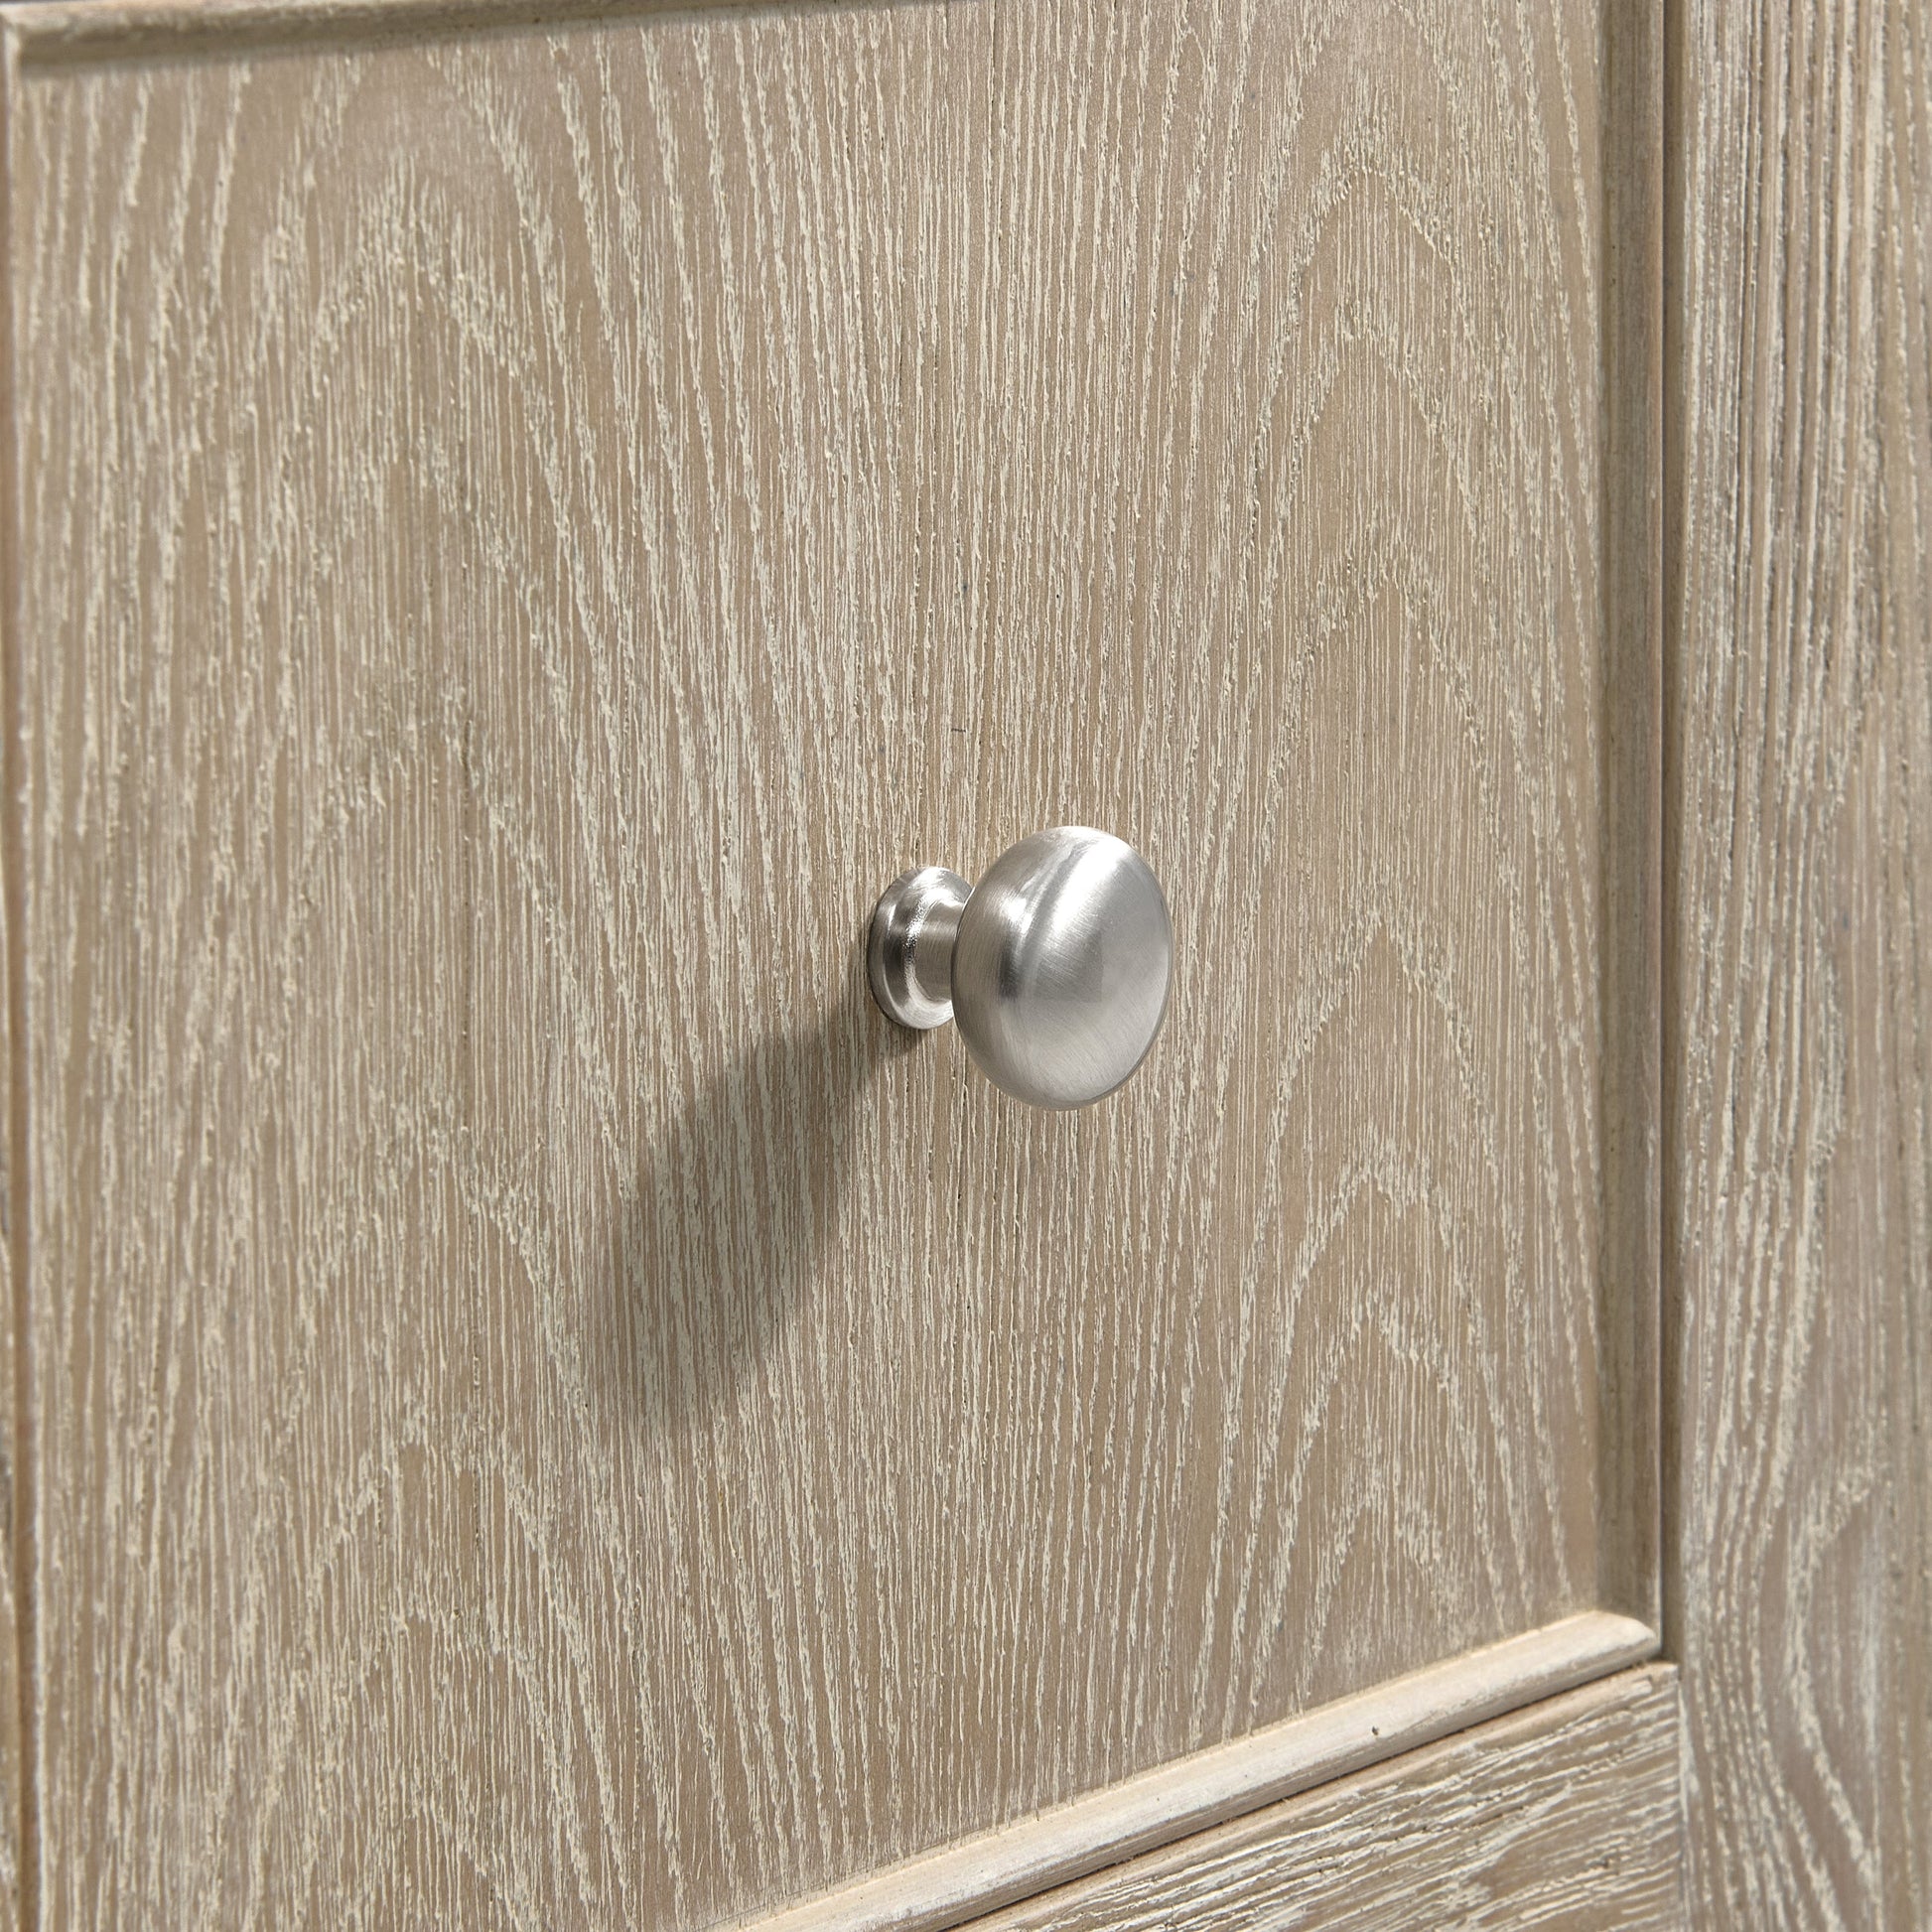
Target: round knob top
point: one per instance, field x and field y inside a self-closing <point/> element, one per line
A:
<point x="1061" y="967"/>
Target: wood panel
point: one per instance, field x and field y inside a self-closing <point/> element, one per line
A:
<point x="1800" y="1007"/>
<point x="15" y="1632"/>
<point x="542" y="1409"/>
<point x="1567" y="1813"/>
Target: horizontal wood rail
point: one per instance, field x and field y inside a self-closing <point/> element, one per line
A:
<point x="96" y="30"/>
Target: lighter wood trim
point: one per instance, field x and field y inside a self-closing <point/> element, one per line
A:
<point x="1142" y="1814"/>
<point x="1567" y="1813"/>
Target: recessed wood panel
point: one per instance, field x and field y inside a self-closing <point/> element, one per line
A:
<point x="541" y="1407"/>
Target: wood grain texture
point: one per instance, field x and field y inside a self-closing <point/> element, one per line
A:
<point x="1566" y="1814"/>
<point x="18" y="1831"/>
<point x="15" y="1638"/>
<point x="1800" y="1007"/>
<point x="93" y="30"/>
<point x="543" y="1410"/>
<point x="1186" y="1795"/>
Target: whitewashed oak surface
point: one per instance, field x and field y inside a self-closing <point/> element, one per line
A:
<point x="16" y="1630"/>
<point x="1799" y="1105"/>
<point x="1566" y="1814"/>
<point x="541" y="1410"/>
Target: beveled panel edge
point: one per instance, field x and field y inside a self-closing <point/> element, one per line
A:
<point x="56" y="32"/>
<point x="1629" y="1272"/>
<point x="1172" y="1801"/>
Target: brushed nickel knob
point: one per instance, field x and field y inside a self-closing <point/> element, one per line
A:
<point x="1055" y="965"/>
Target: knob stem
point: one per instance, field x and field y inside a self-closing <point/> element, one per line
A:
<point x="909" y="953"/>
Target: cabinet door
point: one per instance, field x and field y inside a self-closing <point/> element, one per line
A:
<point x="537" y="1405"/>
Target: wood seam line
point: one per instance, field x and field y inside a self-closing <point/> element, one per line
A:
<point x="1142" y="1814"/>
<point x="55" y="32"/>
<point x="1629" y="1281"/>
<point x="1670" y="1420"/>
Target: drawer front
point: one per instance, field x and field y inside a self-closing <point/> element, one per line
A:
<point x="541" y="1405"/>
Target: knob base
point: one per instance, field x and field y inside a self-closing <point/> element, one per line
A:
<point x="909" y="954"/>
